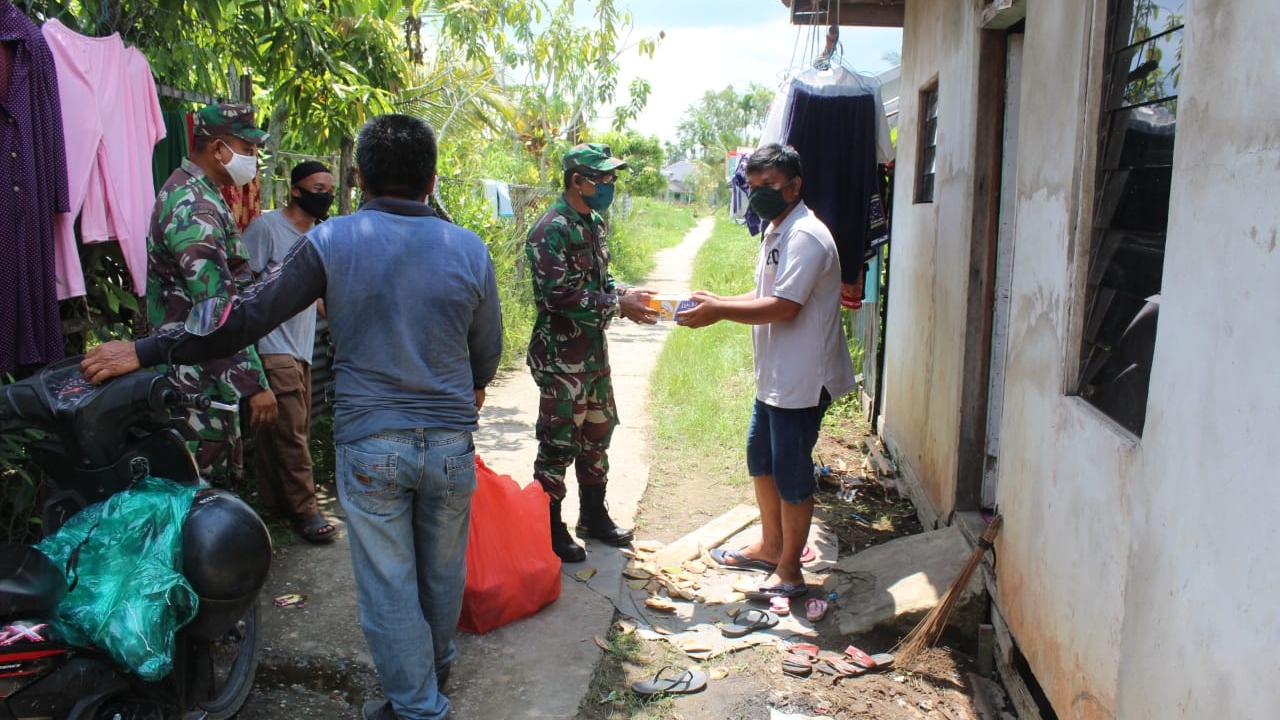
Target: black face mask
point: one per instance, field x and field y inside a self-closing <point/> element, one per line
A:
<point x="315" y="204"/>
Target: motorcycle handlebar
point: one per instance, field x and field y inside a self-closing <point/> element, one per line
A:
<point x="197" y="401"/>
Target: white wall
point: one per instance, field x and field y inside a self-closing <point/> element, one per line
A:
<point x="1136" y="574"/>
<point x="930" y="251"/>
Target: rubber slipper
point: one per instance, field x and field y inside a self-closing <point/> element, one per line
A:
<point x="780" y="606"/>
<point x="883" y="661"/>
<point x="688" y="681"/>
<point x="808" y="555"/>
<point x="317" y="530"/>
<point x="786" y="590"/>
<point x="839" y="668"/>
<point x="815" y="609"/>
<point x="808" y="649"/>
<point x="749" y="621"/>
<point x="735" y="560"/>
<point x="798" y="664"/>
<point x="860" y="658"/>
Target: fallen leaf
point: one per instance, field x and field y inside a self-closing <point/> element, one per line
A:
<point x="661" y="630"/>
<point x="604" y="644"/>
<point x="648" y="545"/>
<point x="697" y="567"/>
<point x="660" y="604"/>
<point x="654" y="586"/>
<point x="693" y="645"/>
<point x="636" y="572"/>
<point x="585" y="574"/>
<point x="637" y="584"/>
<point x="718" y="673"/>
<point x="624" y="627"/>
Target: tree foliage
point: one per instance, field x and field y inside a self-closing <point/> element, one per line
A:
<point x="720" y="122"/>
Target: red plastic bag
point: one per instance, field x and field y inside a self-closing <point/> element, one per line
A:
<point x="511" y="571"/>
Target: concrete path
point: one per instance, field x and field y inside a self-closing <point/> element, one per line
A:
<point x="316" y="664"/>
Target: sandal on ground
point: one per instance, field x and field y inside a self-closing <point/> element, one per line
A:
<point x="748" y="621"/>
<point x="317" y="529"/>
<point x="797" y="664"/>
<point x="768" y="592"/>
<point x="780" y="606"/>
<point x="735" y="560"/>
<point x="688" y="681"/>
<point x="815" y="609"/>
<point x="839" y="669"/>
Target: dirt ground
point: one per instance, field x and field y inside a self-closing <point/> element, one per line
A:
<point x="745" y="685"/>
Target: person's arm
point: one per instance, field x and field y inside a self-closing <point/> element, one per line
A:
<point x="484" y="340"/>
<point x="300" y="282"/>
<point x="745" y="309"/>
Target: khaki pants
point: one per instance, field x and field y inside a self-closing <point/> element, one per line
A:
<point x="284" y="453"/>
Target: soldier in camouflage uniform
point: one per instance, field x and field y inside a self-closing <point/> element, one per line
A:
<point x="195" y="253"/>
<point x="576" y="297"/>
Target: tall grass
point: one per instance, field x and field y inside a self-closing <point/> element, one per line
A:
<point x="703" y="385"/>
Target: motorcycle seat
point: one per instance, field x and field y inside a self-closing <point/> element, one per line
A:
<point x="31" y="586"/>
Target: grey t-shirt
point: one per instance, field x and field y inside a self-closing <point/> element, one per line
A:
<point x="797" y="359"/>
<point x="269" y="239"/>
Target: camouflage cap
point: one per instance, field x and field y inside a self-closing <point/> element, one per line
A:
<point x="593" y="156"/>
<point x="228" y="119"/>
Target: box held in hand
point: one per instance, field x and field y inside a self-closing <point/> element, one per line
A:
<point x="668" y="305"/>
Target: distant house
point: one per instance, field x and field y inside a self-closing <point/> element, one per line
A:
<point x="1083" y="326"/>
<point x="676" y="173"/>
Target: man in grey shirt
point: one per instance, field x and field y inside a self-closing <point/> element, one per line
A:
<point x="285" y="480"/>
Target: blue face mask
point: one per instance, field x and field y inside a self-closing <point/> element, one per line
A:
<point x="602" y="199"/>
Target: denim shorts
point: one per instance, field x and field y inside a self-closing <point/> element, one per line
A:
<point x="780" y="443"/>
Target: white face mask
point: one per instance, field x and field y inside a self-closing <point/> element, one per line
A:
<point x="242" y="168"/>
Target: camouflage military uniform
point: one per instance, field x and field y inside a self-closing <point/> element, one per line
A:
<point x="576" y="297"/>
<point x="195" y="253"/>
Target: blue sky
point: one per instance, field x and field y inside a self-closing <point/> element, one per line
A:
<point x="711" y="44"/>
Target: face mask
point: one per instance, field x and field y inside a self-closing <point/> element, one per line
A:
<point x="242" y="168"/>
<point x="768" y="202"/>
<point x="315" y="204"/>
<point x="602" y="199"/>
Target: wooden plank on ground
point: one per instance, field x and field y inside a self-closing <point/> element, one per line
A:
<point x="1019" y="694"/>
<point x="707" y="536"/>
<point x="873" y="451"/>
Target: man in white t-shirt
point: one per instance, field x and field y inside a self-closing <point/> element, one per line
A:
<point x="802" y="363"/>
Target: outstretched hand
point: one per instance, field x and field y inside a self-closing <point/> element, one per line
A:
<point x="706" y="312"/>
<point x="110" y="359"/>
<point x="635" y="306"/>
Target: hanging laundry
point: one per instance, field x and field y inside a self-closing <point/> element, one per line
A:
<point x="834" y="118"/>
<point x="33" y="187"/>
<point x="112" y="120"/>
<point x="739" y="208"/>
<point x="499" y="196"/>
<point x="171" y="151"/>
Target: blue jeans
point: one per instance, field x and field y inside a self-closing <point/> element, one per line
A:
<point x="780" y="443"/>
<point x="407" y="495"/>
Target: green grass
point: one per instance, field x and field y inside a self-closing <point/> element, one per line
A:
<point x="651" y="226"/>
<point x="703" y="383"/>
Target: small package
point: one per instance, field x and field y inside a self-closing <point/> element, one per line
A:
<point x="668" y="305"/>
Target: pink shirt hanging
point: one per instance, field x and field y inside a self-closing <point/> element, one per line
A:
<point x="112" y="121"/>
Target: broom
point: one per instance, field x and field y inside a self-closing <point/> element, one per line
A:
<point x="923" y="636"/>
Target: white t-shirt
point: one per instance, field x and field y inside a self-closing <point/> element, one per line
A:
<point x="796" y="359"/>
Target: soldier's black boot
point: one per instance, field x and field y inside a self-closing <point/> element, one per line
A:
<point x="594" y="521"/>
<point x="562" y="543"/>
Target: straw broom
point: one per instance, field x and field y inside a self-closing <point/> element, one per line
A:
<point x="924" y="635"/>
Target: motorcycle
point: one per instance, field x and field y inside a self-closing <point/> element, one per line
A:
<point x="97" y="441"/>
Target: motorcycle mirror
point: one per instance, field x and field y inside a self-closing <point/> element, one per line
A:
<point x="208" y="315"/>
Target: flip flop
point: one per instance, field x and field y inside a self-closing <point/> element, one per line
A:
<point x="747" y="622"/>
<point x="808" y="649"/>
<point x="815" y="609"/>
<point x="780" y="606"/>
<point x="859" y="658"/>
<point x="768" y="592"/>
<point x="735" y="560"/>
<point x="689" y="681"/>
<point x="883" y="661"/>
<point x="808" y="555"/>
<point x="838" y="668"/>
<point x="798" y="664"/>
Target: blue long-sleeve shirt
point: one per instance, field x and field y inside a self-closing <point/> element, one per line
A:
<point x="412" y="305"/>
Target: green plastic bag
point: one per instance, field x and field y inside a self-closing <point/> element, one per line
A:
<point x="129" y="596"/>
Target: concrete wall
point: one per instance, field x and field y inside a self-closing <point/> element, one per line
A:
<point x="930" y="251"/>
<point x="1137" y="574"/>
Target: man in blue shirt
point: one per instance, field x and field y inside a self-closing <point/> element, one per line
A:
<point x="411" y="365"/>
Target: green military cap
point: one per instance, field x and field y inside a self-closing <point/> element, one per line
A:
<point x="229" y="119"/>
<point x="593" y="156"/>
